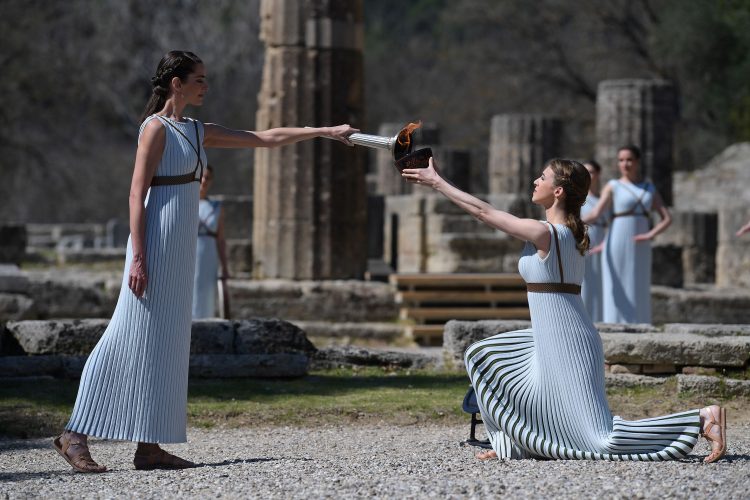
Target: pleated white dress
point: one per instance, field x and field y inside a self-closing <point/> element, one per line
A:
<point x="591" y="290"/>
<point x="206" y="260"/>
<point x="626" y="265"/>
<point x="541" y="391"/>
<point x="134" y="383"/>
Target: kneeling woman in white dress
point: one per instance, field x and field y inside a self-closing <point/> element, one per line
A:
<point x="541" y="391"/>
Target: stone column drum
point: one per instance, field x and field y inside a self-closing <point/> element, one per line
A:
<point x="640" y="112"/>
<point x="309" y="199"/>
<point x="519" y="146"/>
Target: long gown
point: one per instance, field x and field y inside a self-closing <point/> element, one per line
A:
<point x="626" y="265"/>
<point x="134" y="383"/>
<point x="591" y="291"/>
<point x="207" y="260"/>
<point x="541" y="390"/>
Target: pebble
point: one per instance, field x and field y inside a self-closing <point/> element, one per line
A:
<point x="363" y="461"/>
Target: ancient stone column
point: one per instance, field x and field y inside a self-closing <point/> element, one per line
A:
<point x="309" y="199"/>
<point x="640" y="112"/>
<point x="519" y="146"/>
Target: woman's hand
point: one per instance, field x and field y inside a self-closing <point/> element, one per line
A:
<point x="597" y="249"/>
<point x="138" y="278"/>
<point x="426" y="176"/>
<point x="744" y="229"/>
<point x="643" y="237"/>
<point x="341" y="133"/>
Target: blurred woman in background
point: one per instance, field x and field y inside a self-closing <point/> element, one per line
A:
<point x="210" y="252"/>
<point x="591" y="290"/>
<point x="626" y="262"/>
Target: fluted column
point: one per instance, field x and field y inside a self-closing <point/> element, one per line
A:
<point x="519" y="146"/>
<point x="640" y="112"/>
<point x="309" y="199"/>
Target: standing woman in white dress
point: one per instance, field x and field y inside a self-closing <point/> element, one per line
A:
<point x="541" y="391"/>
<point x="591" y="290"/>
<point x="134" y="384"/>
<point x="626" y="261"/>
<point x="210" y="251"/>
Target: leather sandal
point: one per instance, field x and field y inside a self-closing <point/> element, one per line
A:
<point x="719" y="452"/>
<point x="81" y="461"/>
<point x="160" y="460"/>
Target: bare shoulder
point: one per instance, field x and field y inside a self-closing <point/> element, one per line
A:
<point x="153" y="128"/>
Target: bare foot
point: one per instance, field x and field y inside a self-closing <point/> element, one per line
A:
<point x="150" y="456"/>
<point x="713" y="428"/>
<point x="486" y="455"/>
<point x="74" y="448"/>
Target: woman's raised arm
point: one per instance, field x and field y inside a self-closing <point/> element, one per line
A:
<point x="524" y="229"/>
<point x="604" y="201"/>
<point x="217" y="136"/>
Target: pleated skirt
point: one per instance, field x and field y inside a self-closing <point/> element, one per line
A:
<point x="541" y="393"/>
<point x="134" y="384"/>
<point x="206" y="273"/>
<point x="626" y="273"/>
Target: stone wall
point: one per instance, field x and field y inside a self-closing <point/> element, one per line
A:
<point x="680" y="347"/>
<point x="218" y="348"/>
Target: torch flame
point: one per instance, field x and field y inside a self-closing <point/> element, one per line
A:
<point x="404" y="137"/>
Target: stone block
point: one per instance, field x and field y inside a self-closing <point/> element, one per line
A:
<point x="73" y="294"/>
<point x="240" y="257"/>
<point x="335" y="330"/>
<point x="471" y="253"/>
<point x="459" y="335"/>
<point x="270" y="336"/>
<point x="69" y="337"/>
<point x="733" y="254"/>
<point x="700" y="304"/>
<point x="631" y="381"/>
<point x="13" y="280"/>
<point x="14" y="306"/>
<point x="712" y="386"/>
<point x="313" y="300"/>
<point x="660" y="368"/>
<point x="709" y="330"/>
<point x="12" y="243"/>
<point x="698" y="370"/>
<point x="248" y="365"/>
<point x="641" y="112"/>
<point x="678" y="349"/>
<point x="626" y="327"/>
<point x="352" y="356"/>
<point x="212" y="336"/>
<point x="621" y="369"/>
<point x="238" y="215"/>
<point x="666" y="266"/>
<point x="29" y="366"/>
<point x="519" y="146"/>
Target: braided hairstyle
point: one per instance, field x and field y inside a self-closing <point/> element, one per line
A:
<point x="575" y="180"/>
<point x="176" y="63"/>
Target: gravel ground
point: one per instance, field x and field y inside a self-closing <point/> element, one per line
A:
<point x="362" y="461"/>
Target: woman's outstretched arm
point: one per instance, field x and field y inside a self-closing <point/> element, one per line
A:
<point x="217" y="136"/>
<point x="523" y="229"/>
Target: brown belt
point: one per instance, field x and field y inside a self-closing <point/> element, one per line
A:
<point x="553" y="288"/>
<point x="169" y="180"/>
<point x="626" y="214"/>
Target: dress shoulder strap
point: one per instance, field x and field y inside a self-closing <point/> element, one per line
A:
<point x="557" y="251"/>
